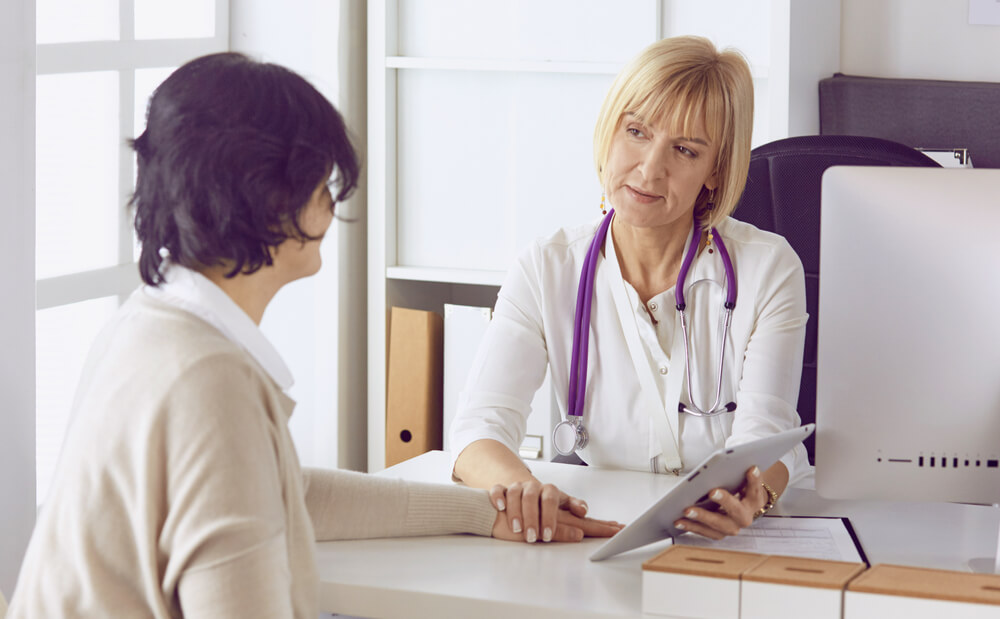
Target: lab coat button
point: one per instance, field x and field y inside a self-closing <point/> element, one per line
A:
<point x="663" y="369"/>
<point x="652" y="307"/>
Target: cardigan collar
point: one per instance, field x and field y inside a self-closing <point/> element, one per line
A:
<point x="193" y="292"/>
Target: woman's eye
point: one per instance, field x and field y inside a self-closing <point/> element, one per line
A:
<point x="687" y="151"/>
<point x="634" y="132"/>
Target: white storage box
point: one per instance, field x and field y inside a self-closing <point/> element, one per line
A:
<point x="695" y="583"/>
<point x="920" y="593"/>
<point x="793" y="587"/>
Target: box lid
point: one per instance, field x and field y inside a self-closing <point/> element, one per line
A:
<point x="804" y="572"/>
<point x="697" y="561"/>
<point x="929" y="583"/>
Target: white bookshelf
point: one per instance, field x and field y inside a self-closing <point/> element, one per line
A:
<point x="514" y="66"/>
<point x="480" y="125"/>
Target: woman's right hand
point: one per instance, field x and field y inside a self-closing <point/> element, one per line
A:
<point x="532" y="511"/>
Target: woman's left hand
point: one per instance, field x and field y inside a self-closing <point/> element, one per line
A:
<point x="735" y="511"/>
<point x="569" y="515"/>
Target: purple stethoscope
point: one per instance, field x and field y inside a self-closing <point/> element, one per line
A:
<point x="570" y="434"/>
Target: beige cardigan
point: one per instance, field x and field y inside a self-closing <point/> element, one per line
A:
<point x="179" y="493"/>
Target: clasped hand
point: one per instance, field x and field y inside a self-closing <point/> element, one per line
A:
<point x="532" y="511"/>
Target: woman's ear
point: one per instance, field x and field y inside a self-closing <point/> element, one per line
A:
<point x="712" y="182"/>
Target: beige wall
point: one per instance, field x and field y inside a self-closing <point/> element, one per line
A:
<point x="929" y="39"/>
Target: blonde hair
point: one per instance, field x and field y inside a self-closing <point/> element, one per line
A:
<point x="675" y="81"/>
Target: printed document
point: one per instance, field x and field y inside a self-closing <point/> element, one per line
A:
<point x="832" y="539"/>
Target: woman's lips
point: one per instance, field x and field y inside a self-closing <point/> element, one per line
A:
<point x="640" y="196"/>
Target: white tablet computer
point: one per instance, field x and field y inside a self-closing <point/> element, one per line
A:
<point x="725" y="468"/>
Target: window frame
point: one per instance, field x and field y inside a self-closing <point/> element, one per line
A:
<point x="125" y="56"/>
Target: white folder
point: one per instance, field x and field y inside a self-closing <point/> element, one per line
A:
<point x="464" y="328"/>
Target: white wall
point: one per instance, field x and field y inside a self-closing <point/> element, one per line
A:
<point x="318" y="324"/>
<point x="928" y="39"/>
<point x="17" y="283"/>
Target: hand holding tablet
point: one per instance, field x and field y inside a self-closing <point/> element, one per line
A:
<point x="725" y="468"/>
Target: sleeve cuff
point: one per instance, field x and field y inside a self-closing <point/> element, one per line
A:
<point x="440" y="510"/>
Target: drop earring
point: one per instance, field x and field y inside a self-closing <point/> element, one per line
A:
<point x="709" y="206"/>
<point x="604" y="211"/>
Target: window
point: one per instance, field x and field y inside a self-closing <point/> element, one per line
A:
<point x="97" y="64"/>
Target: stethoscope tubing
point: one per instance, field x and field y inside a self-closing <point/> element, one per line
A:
<point x="584" y="301"/>
<point x="581" y="339"/>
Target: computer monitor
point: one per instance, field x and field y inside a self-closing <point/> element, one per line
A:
<point x="908" y="367"/>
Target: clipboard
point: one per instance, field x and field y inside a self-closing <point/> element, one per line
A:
<point x="724" y="468"/>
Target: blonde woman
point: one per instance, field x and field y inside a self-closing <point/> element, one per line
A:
<point x="641" y="384"/>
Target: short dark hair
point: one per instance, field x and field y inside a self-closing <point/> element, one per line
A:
<point x="232" y="151"/>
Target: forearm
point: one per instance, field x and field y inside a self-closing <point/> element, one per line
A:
<point x="487" y="462"/>
<point x="350" y="505"/>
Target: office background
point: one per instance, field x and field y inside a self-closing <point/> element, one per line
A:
<point x="326" y="41"/>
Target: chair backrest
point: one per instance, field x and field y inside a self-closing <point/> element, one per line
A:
<point x="783" y="196"/>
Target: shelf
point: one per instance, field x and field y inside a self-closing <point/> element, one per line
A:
<point x="449" y="276"/>
<point x="502" y="64"/>
<point x="520" y="66"/>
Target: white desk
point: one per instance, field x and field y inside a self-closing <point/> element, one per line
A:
<point x="469" y="576"/>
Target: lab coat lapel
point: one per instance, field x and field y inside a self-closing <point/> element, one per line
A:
<point x="665" y="420"/>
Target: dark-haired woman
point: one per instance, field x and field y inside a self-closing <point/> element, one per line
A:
<point x="178" y="492"/>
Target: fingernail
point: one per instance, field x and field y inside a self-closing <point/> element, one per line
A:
<point x="680" y="525"/>
<point x="756" y="472"/>
<point x="515" y="525"/>
<point x="691" y="515"/>
<point x="547" y="535"/>
<point x="717" y="495"/>
<point x="501" y="505"/>
<point x="584" y="503"/>
<point x="532" y="537"/>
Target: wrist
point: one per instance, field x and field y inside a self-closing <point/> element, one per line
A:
<point x="772" y="498"/>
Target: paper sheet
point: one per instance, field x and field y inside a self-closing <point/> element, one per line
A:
<point x="816" y="538"/>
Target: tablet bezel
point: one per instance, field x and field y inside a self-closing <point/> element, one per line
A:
<point x="724" y="468"/>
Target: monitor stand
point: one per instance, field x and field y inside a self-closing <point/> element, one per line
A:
<point x="988" y="565"/>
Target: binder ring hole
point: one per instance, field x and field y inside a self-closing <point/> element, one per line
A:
<point x="991" y="588"/>
<point x="405" y="436"/>
<point x="804" y="569"/>
<point x="702" y="560"/>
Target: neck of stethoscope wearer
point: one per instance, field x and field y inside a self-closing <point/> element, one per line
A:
<point x="570" y="434"/>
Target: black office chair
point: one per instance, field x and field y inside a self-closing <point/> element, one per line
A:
<point x="783" y="196"/>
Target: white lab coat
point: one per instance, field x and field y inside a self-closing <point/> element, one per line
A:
<point x="532" y="328"/>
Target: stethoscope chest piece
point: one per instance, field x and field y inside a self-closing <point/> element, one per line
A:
<point x="569" y="436"/>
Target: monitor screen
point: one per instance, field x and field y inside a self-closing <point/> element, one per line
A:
<point x="908" y="367"/>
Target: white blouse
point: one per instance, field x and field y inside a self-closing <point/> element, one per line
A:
<point x="630" y="426"/>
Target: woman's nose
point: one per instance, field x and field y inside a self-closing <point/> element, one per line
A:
<point x="653" y="164"/>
